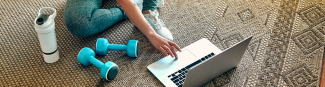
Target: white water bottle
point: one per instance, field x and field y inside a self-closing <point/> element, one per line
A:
<point x="44" y="26"/>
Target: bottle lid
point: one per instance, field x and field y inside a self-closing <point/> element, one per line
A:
<point x="41" y="19"/>
<point x="45" y="23"/>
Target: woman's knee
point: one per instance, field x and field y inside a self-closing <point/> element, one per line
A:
<point x="78" y="14"/>
<point x="90" y="21"/>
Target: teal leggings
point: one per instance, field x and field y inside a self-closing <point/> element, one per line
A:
<point x="85" y="18"/>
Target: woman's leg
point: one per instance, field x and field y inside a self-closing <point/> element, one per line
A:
<point x="84" y="17"/>
<point x="151" y="15"/>
<point x="150" y="5"/>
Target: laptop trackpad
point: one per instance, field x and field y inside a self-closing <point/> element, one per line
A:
<point x="168" y="64"/>
<point x="186" y="57"/>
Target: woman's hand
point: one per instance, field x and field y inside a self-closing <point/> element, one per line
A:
<point x="163" y="45"/>
<point x="135" y="15"/>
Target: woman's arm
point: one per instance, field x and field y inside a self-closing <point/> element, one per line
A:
<point x="134" y="14"/>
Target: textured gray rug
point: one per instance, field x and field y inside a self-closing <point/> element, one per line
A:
<point x="286" y="50"/>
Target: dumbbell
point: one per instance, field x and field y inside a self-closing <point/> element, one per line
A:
<point x="108" y="70"/>
<point x="132" y="48"/>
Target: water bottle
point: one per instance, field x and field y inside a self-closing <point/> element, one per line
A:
<point x="44" y="26"/>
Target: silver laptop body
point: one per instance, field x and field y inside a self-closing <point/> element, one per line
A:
<point x="197" y="63"/>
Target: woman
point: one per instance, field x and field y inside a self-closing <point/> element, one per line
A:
<point x="84" y="18"/>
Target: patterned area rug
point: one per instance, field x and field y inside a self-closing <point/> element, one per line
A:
<point x="286" y="50"/>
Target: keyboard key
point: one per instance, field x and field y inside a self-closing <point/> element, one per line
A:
<point x="183" y="69"/>
<point x="188" y="67"/>
<point x="176" y="74"/>
<point x="180" y="85"/>
<point x="196" y="62"/>
<point x="174" y="78"/>
<point x="202" y="59"/>
<point x="181" y="78"/>
<point x="212" y="54"/>
<point x="206" y="57"/>
<point x="209" y="55"/>
<point x="169" y="76"/>
<point x="193" y="64"/>
<point x="173" y="75"/>
<point x="179" y="71"/>
<point x="183" y="72"/>
<point x="177" y="84"/>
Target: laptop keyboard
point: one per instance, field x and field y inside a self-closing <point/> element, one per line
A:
<point x="178" y="77"/>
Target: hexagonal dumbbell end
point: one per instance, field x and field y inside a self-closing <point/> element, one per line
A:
<point x="108" y="70"/>
<point x="84" y="54"/>
<point x="101" y="46"/>
<point x="133" y="48"/>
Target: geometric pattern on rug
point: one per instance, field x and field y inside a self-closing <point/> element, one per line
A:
<point x="300" y="77"/>
<point x="279" y="43"/>
<point x="280" y="25"/>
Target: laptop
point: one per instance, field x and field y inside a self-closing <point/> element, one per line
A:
<point x="197" y="63"/>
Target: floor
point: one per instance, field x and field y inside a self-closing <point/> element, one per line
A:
<point x="276" y="57"/>
<point x="322" y="81"/>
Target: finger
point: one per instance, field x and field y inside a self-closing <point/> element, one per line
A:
<point x="162" y="50"/>
<point x="168" y="50"/>
<point x="173" y="50"/>
<point x="175" y="45"/>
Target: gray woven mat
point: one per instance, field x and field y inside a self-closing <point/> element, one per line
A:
<point x="286" y="50"/>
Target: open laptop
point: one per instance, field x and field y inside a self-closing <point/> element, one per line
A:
<point x="198" y="63"/>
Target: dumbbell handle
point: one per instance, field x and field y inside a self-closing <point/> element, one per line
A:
<point x="118" y="47"/>
<point x="96" y="62"/>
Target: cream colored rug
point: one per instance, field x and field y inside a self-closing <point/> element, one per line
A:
<point x="287" y="48"/>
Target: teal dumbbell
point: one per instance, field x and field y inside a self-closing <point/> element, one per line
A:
<point x="132" y="48"/>
<point x="108" y="70"/>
